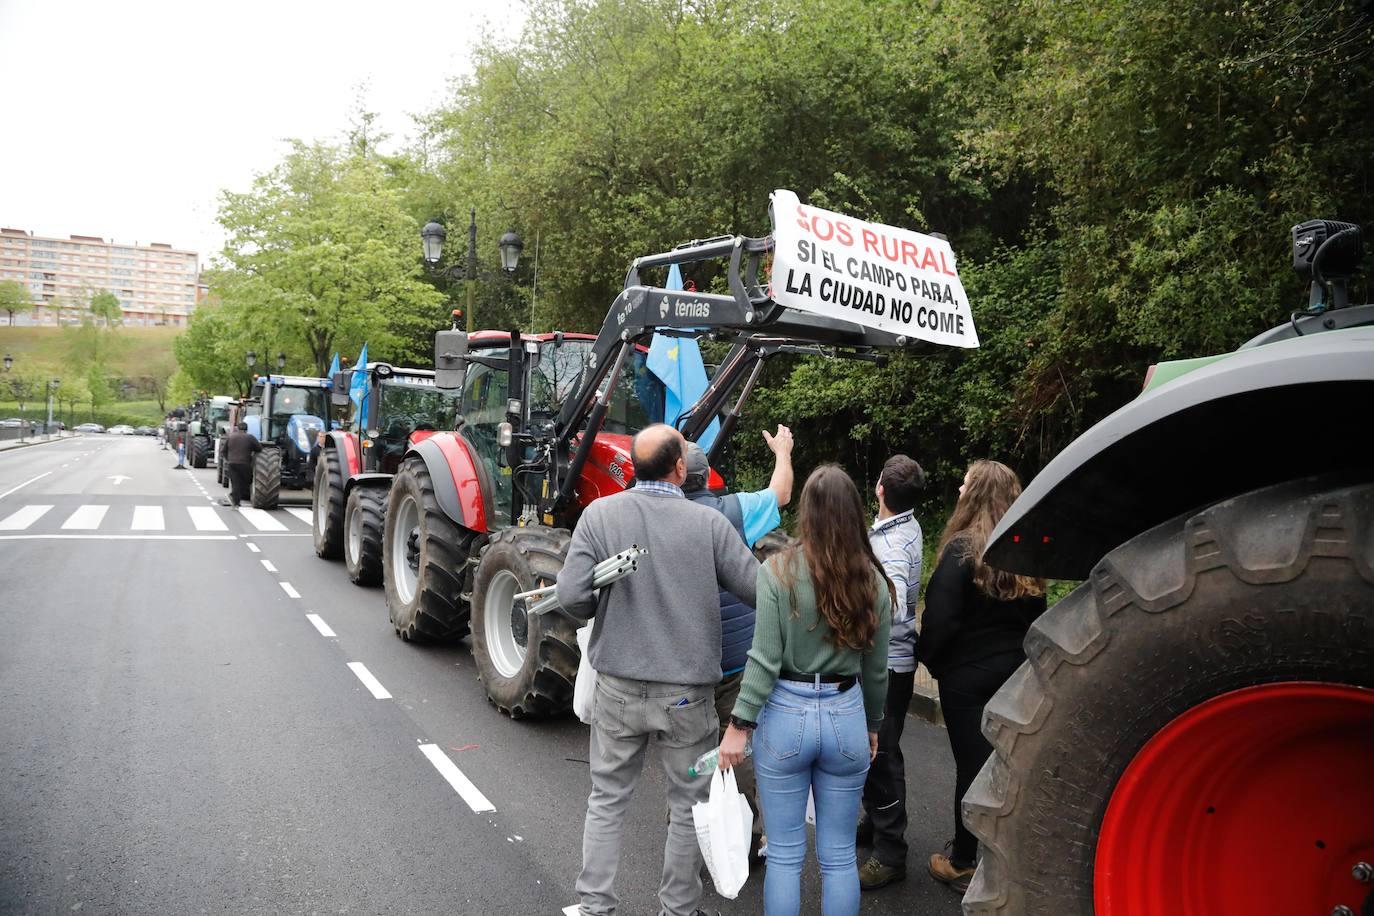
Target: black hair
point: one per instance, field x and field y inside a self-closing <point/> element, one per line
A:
<point x="242" y="426"/>
<point x="658" y="464"/>
<point x="902" y="478"/>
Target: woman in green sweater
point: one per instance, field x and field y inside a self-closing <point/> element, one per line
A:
<point x="813" y="689"/>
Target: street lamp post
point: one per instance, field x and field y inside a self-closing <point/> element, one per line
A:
<point x="433" y="237"/>
<point x="9" y="364"/>
<point x="281" y="361"/>
<point x="51" y="387"/>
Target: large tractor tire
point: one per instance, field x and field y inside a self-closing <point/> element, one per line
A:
<point x="364" y="518"/>
<point x="200" y="451"/>
<point x="527" y="666"/>
<point x="266" y="479"/>
<point x="328" y="505"/>
<point x="424" y="560"/>
<point x="1194" y="729"/>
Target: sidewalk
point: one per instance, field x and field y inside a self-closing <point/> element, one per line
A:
<point x="31" y="440"/>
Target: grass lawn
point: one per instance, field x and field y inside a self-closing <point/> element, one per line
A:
<point x="45" y="349"/>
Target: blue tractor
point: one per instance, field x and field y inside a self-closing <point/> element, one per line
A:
<point x="293" y="411"/>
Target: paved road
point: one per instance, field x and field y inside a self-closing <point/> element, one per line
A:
<point x="201" y="716"/>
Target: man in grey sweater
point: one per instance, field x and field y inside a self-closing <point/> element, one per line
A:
<point x="656" y="647"/>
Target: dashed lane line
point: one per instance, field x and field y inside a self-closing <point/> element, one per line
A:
<point x="254" y="547"/>
<point x="320" y="625"/>
<point x="267" y="565"/>
<point x="454" y="776"/>
<point x="370" y="682"/>
<point x="290" y="592"/>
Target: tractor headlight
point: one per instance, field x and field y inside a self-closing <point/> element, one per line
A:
<point x="303" y="439"/>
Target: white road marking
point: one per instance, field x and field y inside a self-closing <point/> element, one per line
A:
<point x="23" y="518"/>
<point x="206" y="519"/>
<point x="370" y="682"/>
<point x="278" y="534"/>
<point x="148" y="518"/>
<point x="321" y="625"/>
<point x="267" y="565"/>
<point x="301" y="513"/>
<point x="573" y="910"/>
<point x="261" y="519"/>
<point x="461" y="784"/>
<point x="118" y="479"/>
<point x="254" y="547"/>
<point x="290" y="592"/>
<point x="24" y="484"/>
<point x="116" y="537"/>
<point x="86" y="518"/>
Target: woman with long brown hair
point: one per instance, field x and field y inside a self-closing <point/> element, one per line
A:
<point x="975" y="620"/>
<point x="823" y="616"/>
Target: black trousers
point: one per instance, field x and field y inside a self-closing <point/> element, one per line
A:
<point x="885" y="790"/>
<point x="240" y="481"/>
<point x="964" y="691"/>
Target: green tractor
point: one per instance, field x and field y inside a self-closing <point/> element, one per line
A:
<point x="209" y="423"/>
<point x="1193" y="731"/>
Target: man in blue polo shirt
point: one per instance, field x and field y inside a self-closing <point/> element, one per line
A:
<point x="752" y="515"/>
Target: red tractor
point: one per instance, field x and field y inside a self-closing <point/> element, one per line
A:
<point x="483" y="513"/>
<point x="398" y="409"/>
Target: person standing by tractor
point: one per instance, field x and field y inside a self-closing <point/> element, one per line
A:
<point x="896" y="540"/>
<point x="239" y="450"/>
<point x="972" y="632"/>
<point x="752" y="515"/>
<point x="655" y="644"/>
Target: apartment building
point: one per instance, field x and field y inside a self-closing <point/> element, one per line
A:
<point x="156" y="284"/>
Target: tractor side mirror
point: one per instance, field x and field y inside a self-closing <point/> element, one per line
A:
<point x="338" y="395"/>
<point x="450" y="359"/>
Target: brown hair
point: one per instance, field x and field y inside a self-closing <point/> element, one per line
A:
<point x="833" y="542"/>
<point x="991" y="489"/>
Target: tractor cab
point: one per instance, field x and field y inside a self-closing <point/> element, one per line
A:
<point x="398" y="408"/>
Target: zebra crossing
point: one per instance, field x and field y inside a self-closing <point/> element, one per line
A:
<point x="150" y="520"/>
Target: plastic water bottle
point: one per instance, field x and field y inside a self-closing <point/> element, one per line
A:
<point x="708" y="762"/>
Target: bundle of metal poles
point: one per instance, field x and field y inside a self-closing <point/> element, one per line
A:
<point x="603" y="574"/>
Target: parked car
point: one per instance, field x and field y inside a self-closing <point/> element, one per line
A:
<point x="90" y="428"/>
<point x="121" y="430"/>
<point x="144" y="431"/>
<point x="11" y="422"/>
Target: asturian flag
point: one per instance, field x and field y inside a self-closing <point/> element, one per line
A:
<point x="677" y="362"/>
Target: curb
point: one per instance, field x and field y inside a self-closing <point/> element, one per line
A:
<point x="18" y="444"/>
<point x="926" y="706"/>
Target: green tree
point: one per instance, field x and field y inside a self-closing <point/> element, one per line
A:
<point x="98" y="389"/>
<point x="73" y="392"/>
<point x="14" y="297"/>
<point x="210" y="354"/>
<point x="159" y="376"/>
<point x="105" y="307"/>
<point x="22" y="386"/>
<point x="322" y="257"/>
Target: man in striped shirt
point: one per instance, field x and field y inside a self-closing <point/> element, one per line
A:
<point x="896" y="540"/>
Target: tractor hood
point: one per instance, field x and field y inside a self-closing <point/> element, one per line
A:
<point x="302" y="429"/>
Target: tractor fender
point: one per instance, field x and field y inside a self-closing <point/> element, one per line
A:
<point x="367" y="480"/>
<point x="1259" y="417"/>
<point x="343" y="444"/>
<point x="458" y="484"/>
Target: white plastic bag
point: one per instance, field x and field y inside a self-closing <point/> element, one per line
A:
<point x="584" y="688"/>
<point x="723" y="823"/>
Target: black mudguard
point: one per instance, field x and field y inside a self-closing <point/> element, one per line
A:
<point x="368" y="480"/>
<point x="1261" y="416"/>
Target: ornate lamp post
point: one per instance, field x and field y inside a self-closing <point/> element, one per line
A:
<point x="433" y="236"/>
<point x="50" y="388"/>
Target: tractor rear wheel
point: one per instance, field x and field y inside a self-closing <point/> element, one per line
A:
<point x="328" y="501"/>
<point x="527" y="664"/>
<point x="363" y="524"/>
<point x="424" y="559"/>
<point x="266" y="479"/>
<point x="1193" y="729"/>
<point x="200" y="451"/>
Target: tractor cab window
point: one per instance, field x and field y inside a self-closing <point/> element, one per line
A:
<point x="290" y="400"/>
<point x="408" y="405"/>
<point x="483" y="407"/>
<point x="636" y="402"/>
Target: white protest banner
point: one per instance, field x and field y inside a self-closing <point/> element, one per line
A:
<point x="891" y="279"/>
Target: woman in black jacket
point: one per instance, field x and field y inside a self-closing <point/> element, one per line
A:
<point x="975" y="620"/>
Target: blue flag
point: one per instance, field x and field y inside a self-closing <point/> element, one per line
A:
<point x="677" y="362"/>
<point x="334" y="366"/>
<point x="357" y="388"/>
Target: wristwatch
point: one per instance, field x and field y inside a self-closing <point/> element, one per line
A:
<point x="745" y="724"/>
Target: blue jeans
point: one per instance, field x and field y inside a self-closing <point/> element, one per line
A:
<point x="813" y="738"/>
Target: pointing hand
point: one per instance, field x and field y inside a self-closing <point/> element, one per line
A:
<point x="781" y="441"/>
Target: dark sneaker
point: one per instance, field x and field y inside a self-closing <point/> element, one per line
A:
<point x="874" y="874"/>
<point x="943" y="869"/>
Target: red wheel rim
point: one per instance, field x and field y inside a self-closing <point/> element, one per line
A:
<point x="1256" y="801"/>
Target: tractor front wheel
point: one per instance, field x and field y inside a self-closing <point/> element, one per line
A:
<point x="424" y="560"/>
<point x="328" y="506"/>
<point x="200" y="451"/>
<point x="363" y="522"/>
<point x="266" y="479"/>
<point x="1193" y="729"/>
<point x="527" y="663"/>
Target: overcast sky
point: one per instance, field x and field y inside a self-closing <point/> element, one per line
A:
<point x="124" y="120"/>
